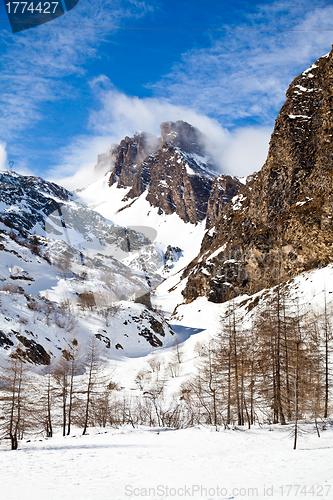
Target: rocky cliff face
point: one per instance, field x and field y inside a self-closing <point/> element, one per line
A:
<point x="184" y="136"/>
<point x="224" y="188"/>
<point x="281" y="222"/>
<point x="178" y="177"/>
<point x="127" y="157"/>
<point x="174" y="184"/>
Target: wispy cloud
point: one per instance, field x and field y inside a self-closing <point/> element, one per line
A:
<point x="234" y="80"/>
<point x="35" y="63"/>
<point x="237" y="78"/>
<point x="244" y="75"/>
<point x="245" y="150"/>
<point x="119" y="114"/>
<point x="75" y="168"/>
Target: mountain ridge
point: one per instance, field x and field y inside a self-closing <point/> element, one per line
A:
<point x="178" y="176"/>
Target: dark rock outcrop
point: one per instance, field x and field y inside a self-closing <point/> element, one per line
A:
<point x="173" y="184"/>
<point x="33" y="199"/>
<point x="5" y="341"/>
<point x="104" y="338"/>
<point x="184" y="136"/>
<point x="155" y="326"/>
<point x="281" y="224"/>
<point x="175" y="171"/>
<point x="34" y="352"/>
<point x="127" y="157"/>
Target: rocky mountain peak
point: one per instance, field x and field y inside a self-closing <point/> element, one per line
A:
<point x="175" y="171"/>
<point x="184" y="136"/>
<point x="178" y="177"/>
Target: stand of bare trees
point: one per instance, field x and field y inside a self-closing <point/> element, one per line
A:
<point x="275" y="369"/>
<point x="269" y="367"/>
<point x="65" y="395"/>
<point x="15" y="381"/>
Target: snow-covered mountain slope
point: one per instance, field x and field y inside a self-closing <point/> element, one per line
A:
<point x="36" y="206"/>
<point x="200" y="321"/>
<point x="46" y="306"/>
<point x="166" y="230"/>
<point x="40" y="330"/>
<point x="63" y="260"/>
<point x="32" y="207"/>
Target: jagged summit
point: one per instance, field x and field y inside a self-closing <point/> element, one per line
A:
<point x="175" y="172"/>
<point x="184" y="136"/>
<point x="191" y="142"/>
<point x="281" y="224"/>
<point x="128" y="156"/>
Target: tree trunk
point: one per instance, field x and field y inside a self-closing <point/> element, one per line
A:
<point x="296" y="394"/>
<point x="326" y="341"/>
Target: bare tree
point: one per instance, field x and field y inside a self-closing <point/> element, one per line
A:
<point x="93" y="365"/>
<point x="47" y="399"/>
<point x="61" y="376"/>
<point x="327" y="338"/>
<point x="176" y="358"/>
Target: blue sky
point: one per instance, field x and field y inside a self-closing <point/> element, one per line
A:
<point x="69" y="90"/>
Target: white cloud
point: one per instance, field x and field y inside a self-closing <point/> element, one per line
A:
<point x="239" y="76"/>
<point x="120" y="114"/>
<point x="240" y="152"/>
<point x="3" y="157"/>
<point x="77" y="161"/>
<point x="246" y="150"/>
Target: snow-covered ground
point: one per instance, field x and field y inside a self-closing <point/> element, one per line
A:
<point x="162" y="464"/>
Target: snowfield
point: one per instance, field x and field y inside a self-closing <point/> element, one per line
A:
<point x="116" y="464"/>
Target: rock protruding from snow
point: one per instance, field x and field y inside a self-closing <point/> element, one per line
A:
<point x="184" y="136"/>
<point x="178" y="177"/>
<point x="173" y="184"/>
